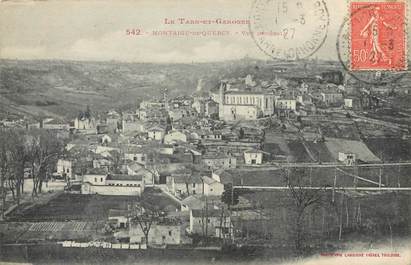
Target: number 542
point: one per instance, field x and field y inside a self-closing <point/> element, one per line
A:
<point x="133" y="32"/>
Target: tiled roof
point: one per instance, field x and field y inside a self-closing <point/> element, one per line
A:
<point x="124" y="177"/>
<point x="208" y="213"/>
<point x="116" y="213"/>
<point x="96" y="171"/>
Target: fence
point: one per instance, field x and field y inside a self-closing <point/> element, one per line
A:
<point x="98" y="244"/>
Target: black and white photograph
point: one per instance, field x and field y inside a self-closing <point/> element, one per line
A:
<point x="176" y="132"/>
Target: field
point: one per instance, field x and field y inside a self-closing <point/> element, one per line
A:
<point x="367" y="217"/>
<point x="320" y="151"/>
<point x="73" y="207"/>
<point x="16" y="232"/>
<point x="62" y="230"/>
<point x="298" y="152"/>
<point x="390" y="149"/>
<point x="80" y="207"/>
<point x="391" y="176"/>
<point x="336" y="145"/>
<point x="73" y="216"/>
<point x="339" y="130"/>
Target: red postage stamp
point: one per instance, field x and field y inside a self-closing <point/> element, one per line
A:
<point x="378" y="37"/>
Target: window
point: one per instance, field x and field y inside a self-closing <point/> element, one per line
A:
<point x="135" y="158"/>
<point x="101" y="179"/>
<point x="95" y="179"/>
<point x="194" y="185"/>
<point x="68" y="170"/>
<point x="170" y="233"/>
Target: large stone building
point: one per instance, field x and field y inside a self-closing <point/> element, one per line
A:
<point x="85" y="121"/>
<point x="244" y="105"/>
<point x="112" y="184"/>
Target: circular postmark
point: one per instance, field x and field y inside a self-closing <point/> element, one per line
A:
<point x="289" y="29"/>
<point x="343" y="44"/>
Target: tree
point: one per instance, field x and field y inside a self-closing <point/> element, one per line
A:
<point x="117" y="159"/>
<point x="11" y="174"/>
<point x="44" y="147"/>
<point x="230" y="195"/>
<point x="145" y="217"/>
<point x="303" y="197"/>
<point x="187" y="181"/>
<point x="19" y="154"/>
<point x="4" y="166"/>
<point x="241" y="133"/>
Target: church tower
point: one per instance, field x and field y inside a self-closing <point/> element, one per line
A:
<point x="221" y="100"/>
<point x="165" y="98"/>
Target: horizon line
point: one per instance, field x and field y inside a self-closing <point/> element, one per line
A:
<point x="147" y="62"/>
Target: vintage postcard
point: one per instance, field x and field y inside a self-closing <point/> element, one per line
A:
<point x="211" y="132"/>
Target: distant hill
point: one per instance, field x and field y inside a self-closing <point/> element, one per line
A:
<point x="62" y="88"/>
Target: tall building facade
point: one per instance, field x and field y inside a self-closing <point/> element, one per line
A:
<point x="244" y="105"/>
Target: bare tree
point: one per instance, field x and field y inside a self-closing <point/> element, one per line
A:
<point x="117" y="159"/>
<point x="11" y="174"/>
<point x="145" y="217"/>
<point x="303" y="196"/>
<point x="44" y="147"/>
<point x="187" y="181"/>
<point x="20" y="155"/>
<point x="4" y="167"/>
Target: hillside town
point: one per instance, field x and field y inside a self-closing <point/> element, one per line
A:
<point x="290" y="163"/>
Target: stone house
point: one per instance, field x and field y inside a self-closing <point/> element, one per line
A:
<point x="211" y="223"/>
<point x="219" y="160"/>
<point x="174" y="136"/>
<point x="253" y="157"/>
<point x="166" y="231"/>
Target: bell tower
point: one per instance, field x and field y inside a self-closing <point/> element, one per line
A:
<point x="221" y="100"/>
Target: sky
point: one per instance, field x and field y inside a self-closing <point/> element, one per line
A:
<point x="97" y="30"/>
